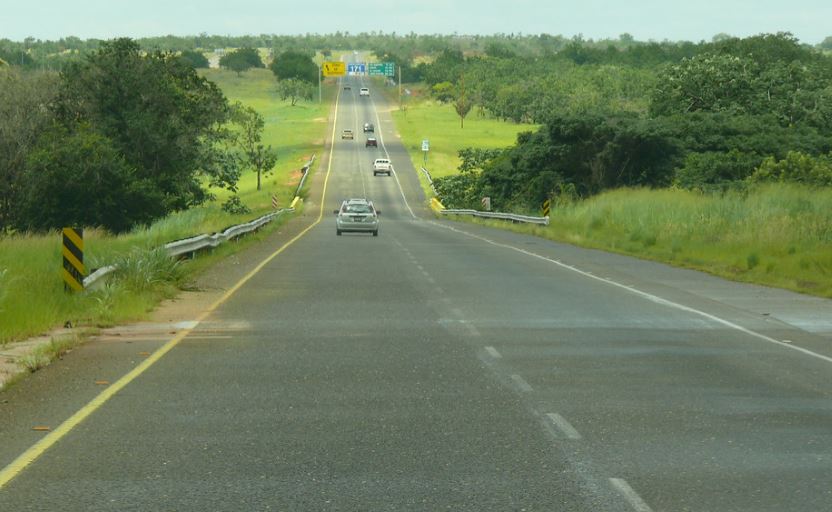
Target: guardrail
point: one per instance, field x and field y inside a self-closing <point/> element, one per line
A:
<point x="305" y="170"/>
<point x="498" y="215"/>
<point x="430" y="179"/>
<point x="193" y="244"/>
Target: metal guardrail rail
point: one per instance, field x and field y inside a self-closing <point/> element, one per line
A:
<point x="498" y="215"/>
<point x="197" y="243"/>
<point x="430" y="179"/>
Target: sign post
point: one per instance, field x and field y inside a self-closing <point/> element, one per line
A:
<point x="425" y="149"/>
<point x="73" y="256"/>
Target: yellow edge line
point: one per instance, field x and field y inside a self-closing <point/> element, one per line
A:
<point x="35" y="451"/>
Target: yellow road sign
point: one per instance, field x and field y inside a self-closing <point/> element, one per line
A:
<point x="335" y="68"/>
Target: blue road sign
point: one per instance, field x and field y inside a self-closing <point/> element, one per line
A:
<point x="356" y="67"/>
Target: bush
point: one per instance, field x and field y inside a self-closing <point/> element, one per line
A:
<point x="235" y="206"/>
<point x="796" y="168"/>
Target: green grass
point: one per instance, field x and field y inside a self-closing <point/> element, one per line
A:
<point x="777" y="235"/>
<point x="423" y="118"/>
<point x="32" y="299"/>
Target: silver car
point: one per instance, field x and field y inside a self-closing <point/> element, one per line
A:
<point x="358" y="215"/>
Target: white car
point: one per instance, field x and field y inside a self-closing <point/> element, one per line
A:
<point x="364" y="91"/>
<point x="356" y="215"/>
<point x="382" y="166"/>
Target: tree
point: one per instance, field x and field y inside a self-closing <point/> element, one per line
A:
<point x="826" y="44"/>
<point x="241" y="60"/>
<point x="25" y="101"/>
<point x="256" y="156"/>
<point x="163" y="118"/>
<point x="293" y="64"/>
<point x="77" y="178"/>
<point x="295" y="89"/>
<point x="195" y="59"/>
<point x="462" y="106"/>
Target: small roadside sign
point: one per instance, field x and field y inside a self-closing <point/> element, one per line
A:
<point x="334" y="68"/>
<point x="486" y="204"/>
<point x="425" y="145"/>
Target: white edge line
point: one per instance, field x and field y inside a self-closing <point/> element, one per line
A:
<point x="630" y="495"/>
<point x="387" y="154"/>
<point x="564" y="426"/>
<point x="522" y="384"/>
<point x="493" y="352"/>
<point x="646" y="295"/>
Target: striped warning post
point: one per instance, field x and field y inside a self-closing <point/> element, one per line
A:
<point x="73" y="252"/>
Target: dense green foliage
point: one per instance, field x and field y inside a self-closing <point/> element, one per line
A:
<point x="242" y="60"/>
<point x="706" y="121"/>
<point x="121" y="138"/>
<point x="291" y="64"/>
<point x="196" y="59"/>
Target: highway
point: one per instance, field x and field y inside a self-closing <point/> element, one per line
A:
<point x="441" y="366"/>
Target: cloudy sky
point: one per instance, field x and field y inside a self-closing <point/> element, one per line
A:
<point x="692" y="20"/>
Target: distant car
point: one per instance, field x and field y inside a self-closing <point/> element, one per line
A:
<point x="371" y="141"/>
<point x="347" y="134"/>
<point x="347" y="88"/>
<point x="382" y="166"/>
<point x="356" y="215"/>
<point x="368" y="127"/>
<point x="364" y="91"/>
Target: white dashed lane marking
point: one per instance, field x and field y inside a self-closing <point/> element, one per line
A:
<point x="521" y="384"/>
<point x="630" y="495"/>
<point x="564" y="426"/>
<point x="493" y="352"/>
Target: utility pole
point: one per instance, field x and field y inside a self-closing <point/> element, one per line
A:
<point x="400" y="86"/>
<point x="319" y="83"/>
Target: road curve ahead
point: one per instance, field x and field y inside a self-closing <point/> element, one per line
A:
<point x="444" y="366"/>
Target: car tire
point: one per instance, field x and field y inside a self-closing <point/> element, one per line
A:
<point x="375" y="233"/>
<point x="338" y="232"/>
<point x="375" y="173"/>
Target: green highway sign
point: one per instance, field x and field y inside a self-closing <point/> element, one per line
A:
<point x="381" y="69"/>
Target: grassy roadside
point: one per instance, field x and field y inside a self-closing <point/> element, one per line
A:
<point x="424" y="118"/>
<point x="32" y="299"/>
<point x="778" y="235"/>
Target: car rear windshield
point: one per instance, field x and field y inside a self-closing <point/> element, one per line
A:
<point x="357" y="208"/>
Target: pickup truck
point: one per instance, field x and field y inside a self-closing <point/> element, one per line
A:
<point x="382" y="166"/>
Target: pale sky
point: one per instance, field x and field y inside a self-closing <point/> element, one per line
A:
<point x="692" y="20"/>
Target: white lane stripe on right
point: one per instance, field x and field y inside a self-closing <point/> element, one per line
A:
<point x="648" y="296"/>
<point x="630" y="495"/>
<point x="564" y="426"/>
<point x="521" y="383"/>
<point x="387" y="154"/>
<point x="493" y="352"/>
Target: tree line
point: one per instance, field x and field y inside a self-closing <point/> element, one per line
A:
<point x="121" y="138"/>
<point x="733" y="112"/>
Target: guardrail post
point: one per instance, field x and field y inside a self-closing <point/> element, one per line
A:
<point x="73" y="259"/>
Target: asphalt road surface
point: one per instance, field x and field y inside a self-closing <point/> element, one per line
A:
<point x="442" y="366"/>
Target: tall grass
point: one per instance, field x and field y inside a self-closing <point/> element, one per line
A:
<point x="779" y="234"/>
<point x="32" y="299"/>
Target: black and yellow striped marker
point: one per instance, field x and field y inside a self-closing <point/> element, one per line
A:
<point x="73" y="252"/>
<point x="546" y="204"/>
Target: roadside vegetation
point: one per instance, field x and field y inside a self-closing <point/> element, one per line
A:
<point x="32" y="299"/>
